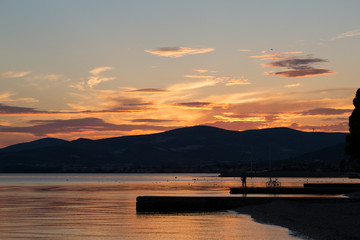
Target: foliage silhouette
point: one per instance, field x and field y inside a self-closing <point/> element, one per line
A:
<point x="352" y="147"/>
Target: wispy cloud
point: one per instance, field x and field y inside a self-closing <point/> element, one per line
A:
<point x="298" y="67"/>
<point x="45" y="127"/>
<point x="201" y="105"/>
<point x="352" y="33"/>
<point x="4" y="96"/>
<point x="99" y="70"/>
<point x="293" y="85"/>
<point x="194" y="85"/>
<point x="175" y="52"/>
<point x="13" y="110"/>
<point x="295" y="62"/>
<point x="199" y="76"/>
<point x="273" y="56"/>
<point x="241" y="81"/>
<point x="8" y="97"/>
<point x="268" y="56"/>
<point x="228" y="81"/>
<point x="95" y="79"/>
<point x="78" y="85"/>
<point x="237" y="98"/>
<point x="151" y="120"/>
<point x="204" y="71"/>
<point x="326" y="111"/>
<point x="50" y="77"/>
<point x="14" y="74"/>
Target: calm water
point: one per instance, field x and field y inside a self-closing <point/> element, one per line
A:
<point x="89" y="206"/>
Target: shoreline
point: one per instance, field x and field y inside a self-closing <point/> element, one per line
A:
<point x="318" y="221"/>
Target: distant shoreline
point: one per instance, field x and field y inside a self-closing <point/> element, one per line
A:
<point x="321" y="221"/>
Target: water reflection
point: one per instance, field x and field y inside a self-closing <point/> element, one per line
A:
<point x="103" y="207"/>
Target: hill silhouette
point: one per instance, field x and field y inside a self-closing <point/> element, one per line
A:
<point x="198" y="148"/>
<point x="40" y="143"/>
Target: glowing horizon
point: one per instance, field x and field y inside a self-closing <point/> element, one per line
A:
<point x="103" y="69"/>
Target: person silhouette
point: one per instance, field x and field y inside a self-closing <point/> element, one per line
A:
<point x="243" y="180"/>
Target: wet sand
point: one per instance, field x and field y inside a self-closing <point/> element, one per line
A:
<point x="320" y="221"/>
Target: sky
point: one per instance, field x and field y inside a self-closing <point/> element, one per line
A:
<point x="98" y="69"/>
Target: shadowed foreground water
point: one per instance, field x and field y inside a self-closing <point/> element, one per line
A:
<point x="103" y="207"/>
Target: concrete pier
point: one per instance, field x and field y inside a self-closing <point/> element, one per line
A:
<point x="192" y="204"/>
<point x="171" y="204"/>
<point x="294" y="190"/>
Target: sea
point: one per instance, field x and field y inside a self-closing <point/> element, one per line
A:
<point x="103" y="206"/>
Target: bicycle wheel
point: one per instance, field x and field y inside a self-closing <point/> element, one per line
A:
<point x="268" y="184"/>
<point x="277" y="184"/>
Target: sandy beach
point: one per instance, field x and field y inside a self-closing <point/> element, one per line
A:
<point x="321" y="221"/>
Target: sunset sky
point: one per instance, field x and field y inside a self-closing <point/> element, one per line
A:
<point x="97" y="69"/>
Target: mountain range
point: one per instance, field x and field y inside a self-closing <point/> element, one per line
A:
<point x="189" y="149"/>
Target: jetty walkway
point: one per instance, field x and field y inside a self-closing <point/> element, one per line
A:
<point x="168" y="204"/>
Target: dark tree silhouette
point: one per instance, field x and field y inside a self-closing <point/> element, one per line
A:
<point x="352" y="147"/>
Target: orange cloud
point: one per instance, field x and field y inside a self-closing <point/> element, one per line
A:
<point x="275" y="55"/>
<point x="293" y="85"/>
<point x="99" y="70"/>
<point x="8" y="97"/>
<point x="13" y="74"/>
<point x="96" y="79"/>
<point x="326" y="111"/>
<point x="193" y="85"/>
<point x="151" y="120"/>
<point x="204" y="71"/>
<point x="198" y="76"/>
<point x="266" y="56"/>
<point x="232" y="82"/>
<point x="176" y="52"/>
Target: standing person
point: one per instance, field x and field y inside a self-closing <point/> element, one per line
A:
<point x="243" y="180"/>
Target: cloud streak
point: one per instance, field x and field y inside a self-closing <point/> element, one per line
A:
<point x="14" y="74"/>
<point x="147" y="90"/>
<point x="13" y="110"/>
<point x="234" y="81"/>
<point x="8" y="97"/>
<point x="194" y="85"/>
<point x="176" y="52"/>
<point x="298" y="67"/>
<point x="273" y="56"/>
<point x="99" y="70"/>
<point x="45" y="127"/>
<point x="348" y="34"/>
<point x="326" y="111"/>
<point x="150" y="120"/>
<point x="293" y="85"/>
<point x="201" y="105"/>
<point x="96" y="79"/>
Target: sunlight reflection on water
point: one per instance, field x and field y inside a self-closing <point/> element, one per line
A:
<point x="59" y="206"/>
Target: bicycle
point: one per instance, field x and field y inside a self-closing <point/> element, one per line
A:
<point x="273" y="183"/>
